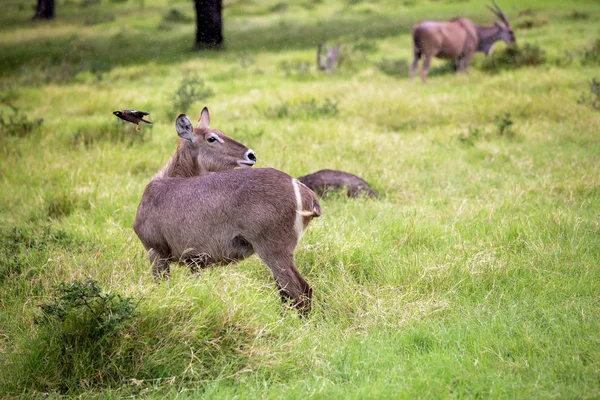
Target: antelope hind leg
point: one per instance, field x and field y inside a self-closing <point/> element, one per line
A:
<point x="415" y="62"/>
<point x="292" y="286"/>
<point x="160" y="265"/>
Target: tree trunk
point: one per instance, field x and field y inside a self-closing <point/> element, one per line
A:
<point x="209" y="24"/>
<point x="45" y="10"/>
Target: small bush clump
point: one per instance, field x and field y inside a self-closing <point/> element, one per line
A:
<point x="471" y="137"/>
<point x="593" y="97"/>
<point x="191" y="89"/>
<point x="514" y="57"/>
<point x="591" y="55"/>
<point x="578" y="15"/>
<point x="81" y="311"/>
<point x="279" y="7"/>
<point x="304" y="109"/>
<point x="504" y="125"/>
<point x="174" y="16"/>
<point x="16" y="123"/>
<point x="80" y="328"/>
<point x="530" y="23"/>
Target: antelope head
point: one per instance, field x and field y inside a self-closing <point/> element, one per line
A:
<point x="506" y="31"/>
<point x="212" y="149"/>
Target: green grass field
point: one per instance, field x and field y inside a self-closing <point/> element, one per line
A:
<point x="475" y="275"/>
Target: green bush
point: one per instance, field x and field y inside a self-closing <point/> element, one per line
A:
<point x="16" y="123"/>
<point x="513" y="57"/>
<point x="593" y="97"/>
<point x="530" y="23"/>
<point x="504" y="124"/>
<point x="591" y="55"/>
<point x="81" y="311"/>
<point x="191" y="89"/>
<point x="78" y="339"/>
<point x="176" y="17"/>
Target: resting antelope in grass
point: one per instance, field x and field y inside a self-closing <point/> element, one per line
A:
<point x="201" y="210"/>
<point x="458" y="39"/>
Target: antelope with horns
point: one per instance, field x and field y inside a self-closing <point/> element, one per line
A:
<point x="458" y="39"/>
<point x="201" y="210"/>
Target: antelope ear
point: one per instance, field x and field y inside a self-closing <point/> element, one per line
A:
<point x="184" y="128"/>
<point x="204" y="120"/>
<point x="498" y="24"/>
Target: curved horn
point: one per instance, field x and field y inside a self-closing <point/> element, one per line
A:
<point x="498" y="12"/>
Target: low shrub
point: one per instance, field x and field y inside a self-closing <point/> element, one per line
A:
<point x="279" y="7"/>
<point x="592" y="98"/>
<point x="513" y="57"/>
<point x="174" y="16"/>
<point x="504" y="125"/>
<point x="591" y="55"/>
<point x="79" y="329"/>
<point x="17" y="123"/>
<point x="81" y="311"/>
<point x="530" y="23"/>
<point x="578" y="15"/>
<point x="191" y="89"/>
<point x="474" y="135"/>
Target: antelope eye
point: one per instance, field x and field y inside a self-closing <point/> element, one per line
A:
<point x="211" y="139"/>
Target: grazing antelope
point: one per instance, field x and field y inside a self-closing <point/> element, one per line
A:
<point x="458" y="39"/>
<point x="201" y="210"/>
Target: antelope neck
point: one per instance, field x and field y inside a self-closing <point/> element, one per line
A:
<point x="182" y="164"/>
<point x="488" y="35"/>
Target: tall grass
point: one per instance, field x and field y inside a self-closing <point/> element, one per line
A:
<point x="475" y="274"/>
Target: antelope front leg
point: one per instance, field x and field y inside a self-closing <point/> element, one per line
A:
<point x="467" y="63"/>
<point x="425" y="68"/>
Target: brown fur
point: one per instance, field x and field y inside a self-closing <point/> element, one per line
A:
<point x="456" y="39"/>
<point x="184" y="165"/>
<point x="327" y="180"/>
<point x="222" y="217"/>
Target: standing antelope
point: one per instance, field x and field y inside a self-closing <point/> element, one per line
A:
<point x="458" y="39"/>
<point x="201" y="210"/>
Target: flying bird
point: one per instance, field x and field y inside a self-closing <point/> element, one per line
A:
<point x="134" y="116"/>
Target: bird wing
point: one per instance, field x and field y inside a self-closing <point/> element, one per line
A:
<point x="137" y="113"/>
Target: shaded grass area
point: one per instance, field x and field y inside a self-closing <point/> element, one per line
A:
<point x="69" y="55"/>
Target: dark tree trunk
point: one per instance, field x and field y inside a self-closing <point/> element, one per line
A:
<point x="45" y="9"/>
<point x="209" y="24"/>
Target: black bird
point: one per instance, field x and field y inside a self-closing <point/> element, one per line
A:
<point x="134" y="116"/>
